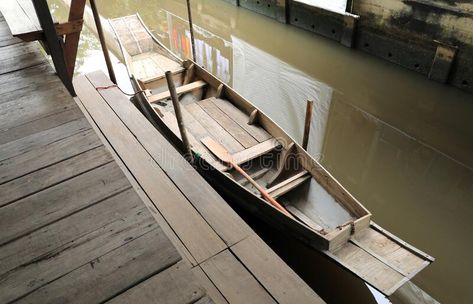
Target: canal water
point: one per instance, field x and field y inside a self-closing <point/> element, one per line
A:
<point x="401" y="144"/>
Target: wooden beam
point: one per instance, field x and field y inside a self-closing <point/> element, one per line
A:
<point x="180" y="90"/>
<point x="76" y="12"/>
<point x="55" y="44"/>
<point x="255" y="151"/>
<point x="69" y="27"/>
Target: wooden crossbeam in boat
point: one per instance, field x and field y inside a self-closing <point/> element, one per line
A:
<point x="179" y="90"/>
<point x="255" y="151"/>
<point x="156" y="78"/>
<point x="289" y="184"/>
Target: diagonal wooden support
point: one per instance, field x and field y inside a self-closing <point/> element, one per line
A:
<point x="55" y="43"/>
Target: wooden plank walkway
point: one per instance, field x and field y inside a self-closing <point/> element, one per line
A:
<point x="96" y="206"/>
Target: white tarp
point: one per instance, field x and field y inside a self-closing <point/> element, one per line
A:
<point x="331" y="5"/>
<point x="281" y="91"/>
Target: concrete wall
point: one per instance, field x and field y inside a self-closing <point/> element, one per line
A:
<point x="431" y="37"/>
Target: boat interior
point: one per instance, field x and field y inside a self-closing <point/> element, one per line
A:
<point x="264" y="151"/>
<point x="274" y="162"/>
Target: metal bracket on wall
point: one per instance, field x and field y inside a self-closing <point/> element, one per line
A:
<point x="348" y="35"/>
<point x="442" y="63"/>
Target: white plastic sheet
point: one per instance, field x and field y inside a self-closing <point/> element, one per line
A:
<point x="281" y="91"/>
<point x="331" y="5"/>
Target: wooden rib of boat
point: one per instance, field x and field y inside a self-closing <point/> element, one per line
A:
<point x="324" y="214"/>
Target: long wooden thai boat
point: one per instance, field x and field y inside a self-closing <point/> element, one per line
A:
<point x="324" y="214"/>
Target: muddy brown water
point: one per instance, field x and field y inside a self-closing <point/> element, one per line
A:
<point x="401" y="144"/>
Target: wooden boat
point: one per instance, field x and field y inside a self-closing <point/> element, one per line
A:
<point x="324" y="214"/>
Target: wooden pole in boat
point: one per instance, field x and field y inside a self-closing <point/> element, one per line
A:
<point x="180" y="122"/>
<point x="191" y="28"/>
<point x="308" y="120"/>
<point x="103" y="43"/>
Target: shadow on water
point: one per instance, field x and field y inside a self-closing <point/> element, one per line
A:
<point x="402" y="145"/>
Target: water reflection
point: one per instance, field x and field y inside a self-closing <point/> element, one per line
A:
<point x="400" y="143"/>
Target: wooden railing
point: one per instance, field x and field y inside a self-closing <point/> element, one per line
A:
<point x="31" y="20"/>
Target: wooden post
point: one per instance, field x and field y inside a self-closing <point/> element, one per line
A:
<point x="180" y="122"/>
<point x="103" y="43"/>
<point x="308" y="120"/>
<point x="191" y="28"/>
<point x="76" y="12"/>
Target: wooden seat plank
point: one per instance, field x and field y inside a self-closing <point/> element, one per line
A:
<point x="84" y="250"/>
<point x="176" y="284"/>
<point x="255" y="151"/>
<point x="198" y="237"/>
<point x="243" y="137"/>
<point x="242" y="119"/>
<point x="212" y="127"/>
<point x="179" y="90"/>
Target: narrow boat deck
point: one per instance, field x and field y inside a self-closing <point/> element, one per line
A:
<point x="97" y="206"/>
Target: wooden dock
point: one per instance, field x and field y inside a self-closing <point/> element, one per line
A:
<point x="96" y="206"/>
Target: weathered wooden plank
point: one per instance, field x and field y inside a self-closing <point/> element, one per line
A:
<point x="27" y="81"/>
<point x="82" y="251"/>
<point x="233" y="280"/>
<point x="28" y="107"/>
<point x="369" y="268"/>
<point x="59" y="201"/>
<point x="177" y="284"/>
<point x="255" y="151"/>
<point x="19" y="56"/>
<point x="242" y="119"/>
<point x="6" y="37"/>
<point x="45" y="137"/>
<point x="112" y="273"/>
<point x="205" y="300"/>
<point x="19" y="21"/>
<point x="212" y="127"/>
<point x="179" y="90"/>
<point x="389" y="251"/>
<point x="39" y="125"/>
<point x="210" y="288"/>
<point x="194" y="232"/>
<point x="47" y="239"/>
<point x="243" y="137"/>
<point x="196" y="145"/>
<point x="275" y="276"/>
<point x="46" y="155"/>
<point x="52" y="175"/>
<point x="224" y="221"/>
